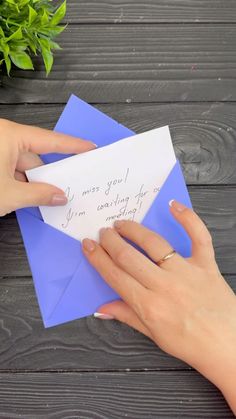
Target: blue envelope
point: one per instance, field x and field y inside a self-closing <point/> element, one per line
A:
<point x="67" y="287"/>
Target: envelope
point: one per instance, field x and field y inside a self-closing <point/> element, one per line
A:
<point x="67" y="286"/>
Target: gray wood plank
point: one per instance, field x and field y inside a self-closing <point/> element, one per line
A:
<point x="216" y="206"/>
<point x="118" y="11"/>
<point x="203" y="133"/>
<point x="83" y="345"/>
<point x="133" y="63"/>
<point x="117" y="395"/>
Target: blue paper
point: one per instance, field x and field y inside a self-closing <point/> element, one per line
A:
<point x="67" y="287"/>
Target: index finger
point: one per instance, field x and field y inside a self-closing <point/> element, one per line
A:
<point x="43" y="141"/>
<point x="130" y="290"/>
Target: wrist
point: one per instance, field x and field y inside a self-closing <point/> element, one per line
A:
<point x="215" y="357"/>
<point x="225" y="377"/>
<point x="220" y="368"/>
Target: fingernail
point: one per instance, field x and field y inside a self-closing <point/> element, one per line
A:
<point x="119" y="224"/>
<point x="88" y="245"/>
<point x="59" y="199"/>
<point x="103" y="316"/>
<point x="177" y="205"/>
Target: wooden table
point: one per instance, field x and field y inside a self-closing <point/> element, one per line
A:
<point x="145" y="63"/>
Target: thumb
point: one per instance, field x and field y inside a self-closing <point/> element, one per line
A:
<point x="202" y="248"/>
<point x="34" y="194"/>
<point x="119" y="310"/>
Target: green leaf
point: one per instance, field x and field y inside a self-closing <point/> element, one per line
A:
<point x="16" y="46"/>
<point x="23" y="23"/>
<point x="44" y="18"/>
<point x="47" y="59"/>
<point x="32" y="42"/>
<point x="2" y="35"/>
<point x="59" y="14"/>
<point x="11" y="2"/>
<point x="23" y="3"/>
<point x="53" y="45"/>
<point x="4" y="47"/>
<point x="44" y="43"/>
<point x="16" y="35"/>
<point x="21" y="59"/>
<point x="52" y="31"/>
<point x="8" y="64"/>
<point x="32" y="15"/>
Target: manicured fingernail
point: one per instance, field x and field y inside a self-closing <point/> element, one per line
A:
<point x="119" y="224"/>
<point x="95" y="145"/>
<point x="88" y="245"/>
<point x="177" y="205"/>
<point x="103" y="316"/>
<point x="59" y="199"/>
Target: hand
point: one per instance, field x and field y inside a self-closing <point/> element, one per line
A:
<point x="18" y="147"/>
<point x="184" y="305"/>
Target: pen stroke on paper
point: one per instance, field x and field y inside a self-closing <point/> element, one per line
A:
<point x="119" y="181"/>
<point x="112" y="205"/>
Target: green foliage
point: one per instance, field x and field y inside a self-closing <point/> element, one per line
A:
<point x="28" y="27"/>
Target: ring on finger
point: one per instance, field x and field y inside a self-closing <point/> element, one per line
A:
<point x="169" y="255"/>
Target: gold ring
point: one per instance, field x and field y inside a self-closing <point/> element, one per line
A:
<point x="166" y="257"/>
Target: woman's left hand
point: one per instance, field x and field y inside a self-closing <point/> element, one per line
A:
<point x="19" y="148"/>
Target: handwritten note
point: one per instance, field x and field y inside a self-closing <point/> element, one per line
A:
<point x="119" y="181"/>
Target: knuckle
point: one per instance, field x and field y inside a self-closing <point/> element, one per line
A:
<point x="149" y="313"/>
<point x="4" y="212"/>
<point x="104" y="237"/>
<point x="123" y="255"/>
<point x="149" y="241"/>
<point x="188" y="214"/>
<point x="208" y="239"/>
<point x="4" y="124"/>
<point x="8" y="203"/>
<point x="95" y="258"/>
<point x="204" y="238"/>
<point x="55" y="147"/>
<point x="114" y="274"/>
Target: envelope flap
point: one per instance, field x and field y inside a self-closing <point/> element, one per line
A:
<point x="52" y="270"/>
<point x="91" y="124"/>
<point x="34" y="211"/>
<point x="85" y="293"/>
<point x="159" y="217"/>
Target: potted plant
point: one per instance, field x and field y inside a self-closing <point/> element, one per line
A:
<point x="27" y="28"/>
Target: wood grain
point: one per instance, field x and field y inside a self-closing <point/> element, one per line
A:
<point x="216" y="206"/>
<point x="133" y="63"/>
<point x="203" y="133"/>
<point x="132" y="58"/>
<point x="115" y="395"/>
<point x="118" y="11"/>
<point x="83" y="345"/>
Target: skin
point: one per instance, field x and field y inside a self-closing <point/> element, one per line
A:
<point x="19" y="148"/>
<point x="184" y="305"/>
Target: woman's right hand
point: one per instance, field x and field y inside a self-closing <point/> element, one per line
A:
<point x="184" y="305"/>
